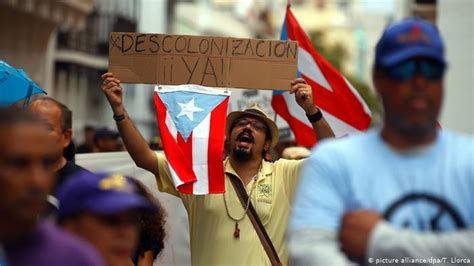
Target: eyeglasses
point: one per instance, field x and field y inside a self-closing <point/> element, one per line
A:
<point x="256" y="124"/>
<point x="431" y="70"/>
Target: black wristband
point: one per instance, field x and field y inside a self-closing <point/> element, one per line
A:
<point x="119" y="118"/>
<point x="315" y="117"/>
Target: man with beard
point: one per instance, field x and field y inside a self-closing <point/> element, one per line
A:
<point x="27" y="159"/>
<point x="402" y="194"/>
<point x="220" y="230"/>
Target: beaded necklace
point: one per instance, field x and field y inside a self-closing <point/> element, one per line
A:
<point x="237" y="220"/>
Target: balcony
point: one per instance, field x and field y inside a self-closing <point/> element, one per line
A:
<point x="68" y="14"/>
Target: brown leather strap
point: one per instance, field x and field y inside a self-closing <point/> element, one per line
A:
<point x="257" y="224"/>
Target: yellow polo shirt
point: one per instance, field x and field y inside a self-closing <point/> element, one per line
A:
<point x="212" y="231"/>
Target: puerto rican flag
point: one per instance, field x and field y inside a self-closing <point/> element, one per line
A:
<point x="191" y="120"/>
<point x="341" y="105"/>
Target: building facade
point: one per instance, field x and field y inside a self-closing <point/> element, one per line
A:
<point x="81" y="57"/>
<point x="29" y="29"/>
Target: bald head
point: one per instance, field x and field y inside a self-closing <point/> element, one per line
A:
<point x="58" y="116"/>
<point x="50" y="103"/>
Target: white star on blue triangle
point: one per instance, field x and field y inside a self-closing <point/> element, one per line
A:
<point x="187" y="109"/>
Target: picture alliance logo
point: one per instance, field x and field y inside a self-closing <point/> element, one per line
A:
<point x="422" y="261"/>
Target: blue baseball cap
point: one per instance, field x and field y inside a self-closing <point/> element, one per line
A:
<point x="99" y="193"/>
<point x="412" y="37"/>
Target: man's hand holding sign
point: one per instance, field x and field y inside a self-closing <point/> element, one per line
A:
<point x="202" y="60"/>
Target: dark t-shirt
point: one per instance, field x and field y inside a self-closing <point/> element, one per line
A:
<point x="48" y="245"/>
<point x="68" y="169"/>
<point x="84" y="148"/>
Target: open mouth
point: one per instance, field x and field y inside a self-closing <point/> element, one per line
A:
<point x="245" y="137"/>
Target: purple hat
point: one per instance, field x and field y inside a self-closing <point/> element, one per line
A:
<point x="99" y="193"/>
<point x="413" y="37"/>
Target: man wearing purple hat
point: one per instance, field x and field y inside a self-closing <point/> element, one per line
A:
<point x="401" y="194"/>
<point x="27" y="157"/>
<point x="103" y="209"/>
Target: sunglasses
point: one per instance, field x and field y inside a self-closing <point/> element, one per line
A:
<point x="256" y="124"/>
<point x="430" y="70"/>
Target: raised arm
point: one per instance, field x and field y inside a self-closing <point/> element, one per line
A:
<point x="136" y="145"/>
<point x="304" y="97"/>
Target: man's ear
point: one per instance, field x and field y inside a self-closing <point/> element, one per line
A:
<point x="266" y="147"/>
<point x="67" y="137"/>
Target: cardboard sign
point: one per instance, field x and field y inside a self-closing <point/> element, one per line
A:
<point x="203" y="60"/>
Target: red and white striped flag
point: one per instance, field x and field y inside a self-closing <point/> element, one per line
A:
<point x="191" y="120"/>
<point x="341" y="105"/>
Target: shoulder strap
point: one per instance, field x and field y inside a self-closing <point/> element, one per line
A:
<point x="257" y="224"/>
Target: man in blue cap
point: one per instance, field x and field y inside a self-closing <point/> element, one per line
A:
<point x="103" y="209"/>
<point x="374" y="194"/>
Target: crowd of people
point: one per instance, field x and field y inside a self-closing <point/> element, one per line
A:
<point x="399" y="194"/>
